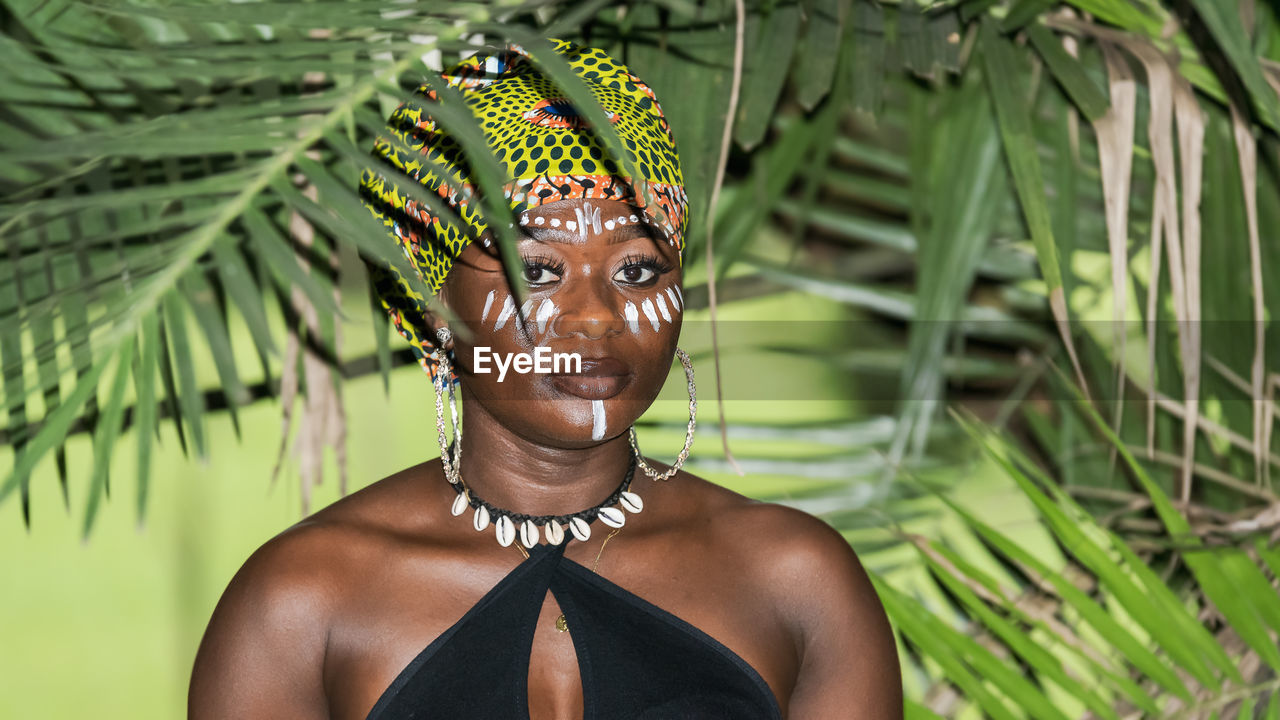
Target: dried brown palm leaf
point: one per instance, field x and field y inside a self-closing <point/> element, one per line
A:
<point x="1165" y="227"/>
<point x="1269" y="414"/>
<point x="1247" y="151"/>
<point x="323" y="419"/>
<point x="1210" y="426"/>
<point x="1212" y="474"/>
<point x="1115" y="158"/>
<point x="1161" y="204"/>
<point x="1191" y="124"/>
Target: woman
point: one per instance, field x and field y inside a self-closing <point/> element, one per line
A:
<point x="478" y="585"/>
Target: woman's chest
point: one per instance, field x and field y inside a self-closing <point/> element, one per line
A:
<point x="527" y="654"/>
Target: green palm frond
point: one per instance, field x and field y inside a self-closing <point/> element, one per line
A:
<point x="1099" y="628"/>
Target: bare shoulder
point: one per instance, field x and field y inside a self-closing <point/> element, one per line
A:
<point x="294" y="573"/>
<point x="795" y="538"/>
<point x="306" y="567"/>
<point x="824" y="596"/>
<point x="793" y="549"/>
<point x="263" y="652"/>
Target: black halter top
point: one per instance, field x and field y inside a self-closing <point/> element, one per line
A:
<point x="636" y="660"/>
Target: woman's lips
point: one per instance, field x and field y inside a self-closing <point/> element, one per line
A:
<point x="600" y="379"/>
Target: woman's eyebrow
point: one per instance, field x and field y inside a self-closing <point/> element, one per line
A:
<point x="576" y="237"/>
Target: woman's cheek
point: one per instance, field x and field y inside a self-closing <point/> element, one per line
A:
<point x="649" y="313"/>
<point x="506" y="322"/>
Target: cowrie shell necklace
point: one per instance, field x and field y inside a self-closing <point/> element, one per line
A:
<point x="531" y="529"/>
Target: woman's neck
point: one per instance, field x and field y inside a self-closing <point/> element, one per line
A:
<point x="526" y="476"/>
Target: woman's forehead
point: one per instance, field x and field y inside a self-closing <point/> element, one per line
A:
<point x="586" y="221"/>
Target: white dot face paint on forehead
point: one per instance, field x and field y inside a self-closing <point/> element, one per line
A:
<point x="582" y="222"/>
<point x="586" y="268"/>
<point x="508" y="307"/>
<point x="488" y="303"/>
<point x="632" y="316"/>
<point x="587" y="220"/>
<point x="594" y="217"/>
<point x="545" y="311"/>
<point x="647" y="306"/>
<point x="597" y="420"/>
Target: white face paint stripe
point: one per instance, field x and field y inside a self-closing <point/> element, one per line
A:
<point x="679" y="294"/>
<point x="675" y="306"/>
<point x="647" y="306"/>
<point x="595" y="218"/>
<point x="544" y="314"/>
<point x="586" y="269"/>
<point x="662" y="307"/>
<point x="524" y="312"/>
<point x="632" y="317"/>
<point x="488" y="303"/>
<point x="508" y="307"/>
<point x="597" y="419"/>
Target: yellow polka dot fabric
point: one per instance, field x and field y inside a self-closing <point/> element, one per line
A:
<point x="548" y="151"/>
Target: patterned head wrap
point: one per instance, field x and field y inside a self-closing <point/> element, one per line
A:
<point x="544" y="145"/>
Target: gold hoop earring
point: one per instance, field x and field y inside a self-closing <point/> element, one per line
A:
<point x="688" y="438"/>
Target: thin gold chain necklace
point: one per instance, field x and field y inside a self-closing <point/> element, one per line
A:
<point x="562" y="625"/>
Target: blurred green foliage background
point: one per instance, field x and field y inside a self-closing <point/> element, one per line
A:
<point x="997" y="286"/>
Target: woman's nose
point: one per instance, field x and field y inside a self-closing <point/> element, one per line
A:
<point x="588" y="309"/>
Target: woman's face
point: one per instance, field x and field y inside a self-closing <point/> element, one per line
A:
<point x="600" y="287"/>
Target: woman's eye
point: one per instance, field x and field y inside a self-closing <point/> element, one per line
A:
<point x="635" y="274"/>
<point x="539" y="275"/>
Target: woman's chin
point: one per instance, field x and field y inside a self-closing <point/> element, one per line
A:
<point x="578" y="422"/>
